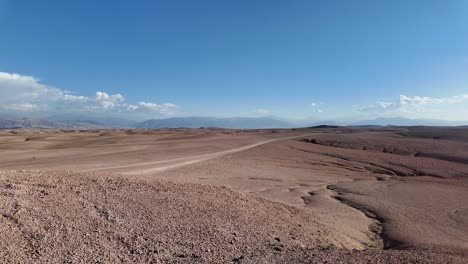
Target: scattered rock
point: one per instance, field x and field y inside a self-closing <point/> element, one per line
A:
<point x="278" y="248"/>
<point x="238" y="259"/>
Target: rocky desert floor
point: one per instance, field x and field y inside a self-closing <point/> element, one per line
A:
<point x="316" y="195"/>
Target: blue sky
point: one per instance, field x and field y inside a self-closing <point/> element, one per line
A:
<point x="315" y="60"/>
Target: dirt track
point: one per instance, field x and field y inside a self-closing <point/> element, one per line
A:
<point x="180" y="162"/>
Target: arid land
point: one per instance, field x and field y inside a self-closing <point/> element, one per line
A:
<point x="326" y="194"/>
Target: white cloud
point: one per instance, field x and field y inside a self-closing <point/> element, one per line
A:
<point x="416" y="102"/>
<point x="26" y="94"/>
<point x="385" y="105"/>
<point x="261" y="111"/>
<point x="132" y="107"/>
<point x="69" y="97"/>
<point x="164" y="109"/>
<point x="380" y="106"/>
<point x="317" y="106"/>
<point x="109" y="101"/>
<point x="25" y="107"/>
<point x="17" y="89"/>
<point x="417" y="106"/>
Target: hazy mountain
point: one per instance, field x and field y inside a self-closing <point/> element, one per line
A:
<point x="399" y="121"/>
<point x="46" y="124"/>
<point x="232" y="122"/>
<point x="112" y="122"/>
<point x="197" y="122"/>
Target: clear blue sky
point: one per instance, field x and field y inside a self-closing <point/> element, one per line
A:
<point x="294" y="59"/>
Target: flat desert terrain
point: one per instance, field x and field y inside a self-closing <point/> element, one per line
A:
<point x="315" y="195"/>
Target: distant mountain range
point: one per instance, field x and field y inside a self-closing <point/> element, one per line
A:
<point x="46" y="124"/>
<point x="208" y="122"/>
<point x="110" y="122"/>
<point x="232" y="123"/>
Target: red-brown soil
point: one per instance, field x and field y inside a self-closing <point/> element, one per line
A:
<point x="339" y="195"/>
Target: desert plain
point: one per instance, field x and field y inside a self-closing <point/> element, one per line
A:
<point x="312" y="195"/>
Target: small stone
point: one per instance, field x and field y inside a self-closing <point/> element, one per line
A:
<point x="238" y="259"/>
<point x="278" y="248"/>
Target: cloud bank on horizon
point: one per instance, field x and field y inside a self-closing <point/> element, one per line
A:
<point x="26" y="96"/>
<point x="421" y="107"/>
<point x="262" y="111"/>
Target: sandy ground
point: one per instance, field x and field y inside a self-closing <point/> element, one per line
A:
<point x="308" y="195"/>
